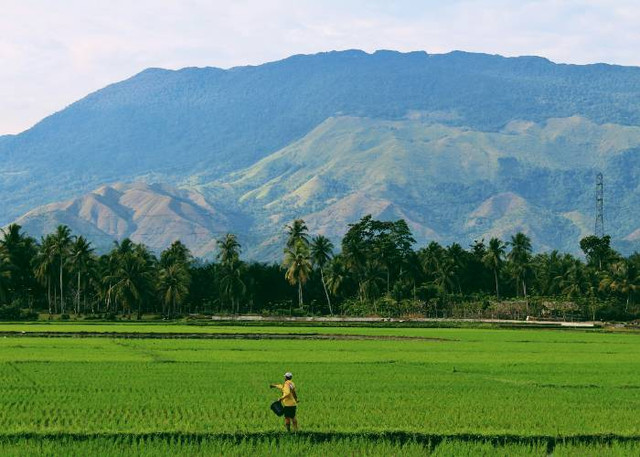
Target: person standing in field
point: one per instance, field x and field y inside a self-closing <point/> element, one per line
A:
<point x="289" y="400"/>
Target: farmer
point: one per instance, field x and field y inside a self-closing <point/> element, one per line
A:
<point x="289" y="400"/>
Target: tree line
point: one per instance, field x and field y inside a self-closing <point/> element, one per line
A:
<point x="376" y="270"/>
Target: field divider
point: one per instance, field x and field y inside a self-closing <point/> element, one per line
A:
<point x="398" y="437"/>
<point x="219" y="336"/>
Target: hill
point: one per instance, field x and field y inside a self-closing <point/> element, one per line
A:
<point x="430" y="137"/>
<point x="155" y="215"/>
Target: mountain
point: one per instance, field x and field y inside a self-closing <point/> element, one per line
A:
<point x="449" y="183"/>
<point x="439" y="140"/>
<point x="155" y="215"/>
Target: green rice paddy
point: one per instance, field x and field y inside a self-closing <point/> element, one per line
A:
<point x="434" y="391"/>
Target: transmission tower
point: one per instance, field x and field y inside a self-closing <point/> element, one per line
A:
<point x="599" y="206"/>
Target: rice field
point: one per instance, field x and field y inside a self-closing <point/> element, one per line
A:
<point x="434" y="391"/>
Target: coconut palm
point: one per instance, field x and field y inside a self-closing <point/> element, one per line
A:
<point x="44" y="267"/>
<point x="337" y="274"/>
<point x="321" y="253"/>
<point x="623" y="277"/>
<point x="173" y="285"/>
<point x="493" y="259"/>
<point x="5" y="275"/>
<point x="228" y="249"/>
<point x="132" y="278"/>
<point x="231" y="281"/>
<point x="297" y="232"/>
<point x="520" y="258"/>
<point x="232" y="284"/>
<point x="457" y="259"/>
<point x="176" y="253"/>
<point x="298" y="265"/>
<point x="82" y="261"/>
<point x="61" y="243"/>
<point x="19" y="251"/>
<point x="576" y="283"/>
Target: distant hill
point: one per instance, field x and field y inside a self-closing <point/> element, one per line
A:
<point x="155" y="215"/>
<point x="444" y="141"/>
<point x="450" y="183"/>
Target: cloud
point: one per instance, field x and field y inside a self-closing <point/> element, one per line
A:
<point x="53" y="53"/>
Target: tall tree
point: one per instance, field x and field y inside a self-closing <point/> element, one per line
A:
<point x="132" y="279"/>
<point x="297" y="232"/>
<point x="370" y="245"/>
<point x="598" y="251"/>
<point x="458" y="262"/>
<point x="20" y="250"/>
<point x="321" y="253"/>
<point x="5" y="275"/>
<point x="575" y="283"/>
<point x="493" y="259"/>
<point x="520" y="258"/>
<point x="44" y="267"/>
<point x="174" y="277"/>
<point x="298" y="265"/>
<point x="231" y="281"/>
<point x="623" y="277"/>
<point x="173" y="285"/>
<point x="337" y="275"/>
<point x="82" y="262"/>
<point x="177" y="253"/>
<point x="61" y="243"/>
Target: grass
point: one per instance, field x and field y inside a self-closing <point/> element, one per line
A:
<point x="152" y="395"/>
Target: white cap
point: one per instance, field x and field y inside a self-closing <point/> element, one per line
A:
<point x="288" y="375"/>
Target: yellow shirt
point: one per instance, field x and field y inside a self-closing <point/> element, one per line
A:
<point x="287" y="393"/>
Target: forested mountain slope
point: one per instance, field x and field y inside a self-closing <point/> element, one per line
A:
<point x="433" y="138"/>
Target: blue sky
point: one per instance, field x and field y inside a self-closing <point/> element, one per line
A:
<point x="55" y="52"/>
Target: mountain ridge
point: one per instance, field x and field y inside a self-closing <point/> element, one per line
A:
<point x="432" y="135"/>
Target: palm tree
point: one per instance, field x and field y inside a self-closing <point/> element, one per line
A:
<point x="321" y="253"/>
<point x="232" y="285"/>
<point x="576" y="283"/>
<point x="43" y="265"/>
<point x="337" y="274"/>
<point x="60" y="244"/>
<point x="457" y="258"/>
<point x="229" y="249"/>
<point x="298" y="265"/>
<point x="132" y="279"/>
<point x="231" y="281"/>
<point x="520" y="257"/>
<point x="372" y="281"/>
<point x="430" y="257"/>
<point x="623" y="277"/>
<point x="173" y="285"/>
<point x="493" y="260"/>
<point x="176" y="253"/>
<point x="82" y="261"/>
<point x="5" y="275"/>
<point x="444" y="277"/>
<point x="19" y="251"/>
<point x="174" y="277"/>
<point x="297" y="233"/>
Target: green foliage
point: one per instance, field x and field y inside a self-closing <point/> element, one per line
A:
<point x="378" y="272"/>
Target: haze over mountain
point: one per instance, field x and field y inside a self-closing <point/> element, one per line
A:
<point x="461" y="145"/>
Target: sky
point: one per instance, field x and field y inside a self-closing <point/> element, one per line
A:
<point x="54" y="52"/>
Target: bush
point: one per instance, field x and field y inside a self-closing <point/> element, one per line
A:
<point x="10" y="312"/>
<point x="14" y="312"/>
